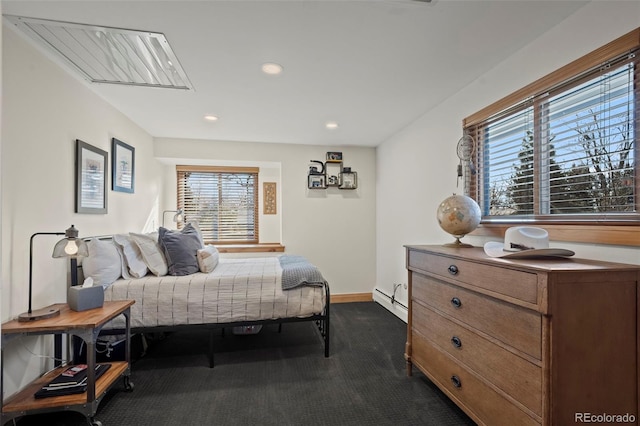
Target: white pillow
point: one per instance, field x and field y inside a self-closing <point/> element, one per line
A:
<point x="132" y="256"/>
<point x="208" y="258"/>
<point x="151" y="252"/>
<point x="123" y="262"/>
<point x="103" y="263"/>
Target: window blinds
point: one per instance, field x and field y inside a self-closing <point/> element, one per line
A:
<point x="223" y="200"/>
<point x="592" y="128"/>
<point x="569" y="152"/>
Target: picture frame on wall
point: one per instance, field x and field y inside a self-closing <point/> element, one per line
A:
<point x="269" y="191"/>
<point x="91" y="179"/>
<point x="122" y="166"/>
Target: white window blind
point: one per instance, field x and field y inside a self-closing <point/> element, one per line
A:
<point x="593" y="129"/>
<point x="223" y="200"/>
<point x="569" y="152"/>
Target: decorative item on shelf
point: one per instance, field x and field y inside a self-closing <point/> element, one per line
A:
<point x="71" y="247"/>
<point x="465" y="149"/>
<point x="316" y="182"/>
<point x="333" y="167"/>
<point x="333" y="180"/>
<point x="334" y="157"/>
<point x="177" y="217"/>
<point x="348" y="179"/>
<point x="316" y="178"/>
<point x="313" y="170"/>
<point x="459" y="215"/>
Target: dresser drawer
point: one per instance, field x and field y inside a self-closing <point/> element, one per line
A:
<point x="517" y="377"/>
<point x="517" y="284"/>
<point x="515" y="326"/>
<point x="469" y="392"/>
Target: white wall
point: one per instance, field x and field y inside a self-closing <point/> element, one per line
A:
<point x="416" y="169"/>
<point x="1" y="254"/>
<point x="44" y="110"/>
<point x="334" y="229"/>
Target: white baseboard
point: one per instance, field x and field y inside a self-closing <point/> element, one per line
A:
<point x="396" y="308"/>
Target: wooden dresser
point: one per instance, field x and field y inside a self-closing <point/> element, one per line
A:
<point x="526" y="342"/>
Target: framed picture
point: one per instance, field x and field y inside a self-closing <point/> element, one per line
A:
<point x="334" y="157"/>
<point x="122" y="166"/>
<point x="91" y="179"/>
<point x="269" y="190"/>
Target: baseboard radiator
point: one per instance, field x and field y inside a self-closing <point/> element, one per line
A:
<point x="397" y="308"/>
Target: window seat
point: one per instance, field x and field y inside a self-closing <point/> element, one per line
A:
<point x="251" y="248"/>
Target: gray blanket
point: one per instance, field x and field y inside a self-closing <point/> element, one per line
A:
<point x="296" y="270"/>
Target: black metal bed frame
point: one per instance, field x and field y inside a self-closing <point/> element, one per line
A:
<point x="321" y="320"/>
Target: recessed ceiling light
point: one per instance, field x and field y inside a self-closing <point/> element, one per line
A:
<point x="331" y="125"/>
<point x="210" y="117"/>
<point x="271" y="68"/>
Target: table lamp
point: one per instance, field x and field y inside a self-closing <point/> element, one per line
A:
<point x="177" y="217"/>
<point x="69" y="246"/>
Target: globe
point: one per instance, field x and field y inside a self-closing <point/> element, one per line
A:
<point x="458" y="215"/>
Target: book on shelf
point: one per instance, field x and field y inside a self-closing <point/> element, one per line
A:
<point x="71" y="381"/>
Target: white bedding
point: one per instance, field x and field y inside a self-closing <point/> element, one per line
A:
<point x="239" y="289"/>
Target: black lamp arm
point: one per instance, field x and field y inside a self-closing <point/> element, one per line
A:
<point x="31" y="260"/>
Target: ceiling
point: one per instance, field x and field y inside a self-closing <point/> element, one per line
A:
<point x="372" y="66"/>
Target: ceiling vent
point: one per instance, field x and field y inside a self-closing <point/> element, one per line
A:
<point x="109" y="55"/>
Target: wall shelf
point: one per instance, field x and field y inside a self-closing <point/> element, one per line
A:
<point x="331" y="173"/>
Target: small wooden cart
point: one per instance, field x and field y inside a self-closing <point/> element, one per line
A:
<point x="86" y="325"/>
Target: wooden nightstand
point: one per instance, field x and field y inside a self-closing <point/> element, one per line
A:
<point x="86" y="325"/>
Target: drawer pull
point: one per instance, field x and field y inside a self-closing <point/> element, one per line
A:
<point x="455" y="341"/>
<point x="456" y="381"/>
<point x="456" y="302"/>
<point x="453" y="269"/>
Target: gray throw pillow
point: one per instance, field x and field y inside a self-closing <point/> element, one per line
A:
<point x="180" y="249"/>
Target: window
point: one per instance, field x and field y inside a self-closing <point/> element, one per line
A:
<point x="566" y="148"/>
<point x="223" y="200"/>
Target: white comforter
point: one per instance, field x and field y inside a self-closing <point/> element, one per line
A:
<point x="243" y="289"/>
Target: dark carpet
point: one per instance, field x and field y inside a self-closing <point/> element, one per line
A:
<point x="273" y="378"/>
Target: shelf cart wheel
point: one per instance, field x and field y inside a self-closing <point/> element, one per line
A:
<point x="128" y="385"/>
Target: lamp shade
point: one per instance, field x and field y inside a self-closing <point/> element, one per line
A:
<point x="177" y="217"/>
<point x="70" y="245"/>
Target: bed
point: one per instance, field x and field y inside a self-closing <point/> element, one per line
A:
<point x="223" y="293"/>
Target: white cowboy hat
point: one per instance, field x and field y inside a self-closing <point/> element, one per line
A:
<point x="525" y="241"/>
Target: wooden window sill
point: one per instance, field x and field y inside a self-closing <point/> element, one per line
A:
<point x="623" y="235"/>
<point x="251" y="248"/>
